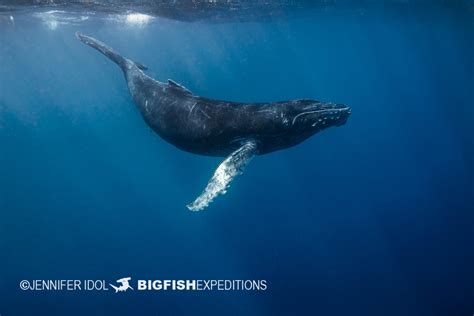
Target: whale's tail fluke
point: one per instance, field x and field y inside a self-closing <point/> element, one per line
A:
<point x="124" y="63"/>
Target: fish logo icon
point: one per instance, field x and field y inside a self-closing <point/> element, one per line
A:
<point x="124" y="285"/>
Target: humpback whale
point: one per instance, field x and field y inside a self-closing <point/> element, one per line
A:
<point x="237" y="131"/>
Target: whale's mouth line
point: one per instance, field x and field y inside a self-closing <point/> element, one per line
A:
<point x="318" y="111"/>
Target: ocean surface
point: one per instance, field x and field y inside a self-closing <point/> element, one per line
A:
<point x="375" y="217"/>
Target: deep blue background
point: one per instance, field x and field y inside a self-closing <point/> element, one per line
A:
<point x="371" y="218"/>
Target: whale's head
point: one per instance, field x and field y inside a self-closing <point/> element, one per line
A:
<point x="297" y="120"/>
<point x="309" y="116"/>
<point x="304" y="118"/>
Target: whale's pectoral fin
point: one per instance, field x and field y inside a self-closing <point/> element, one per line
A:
<point x="231" y="167"/>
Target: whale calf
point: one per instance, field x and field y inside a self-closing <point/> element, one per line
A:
<point x="237" y="131"/>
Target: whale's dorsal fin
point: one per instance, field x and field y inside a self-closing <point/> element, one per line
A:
<point x="231" y="167"/>
<point x="140" y="65"/>
<point x="178" y="86"/>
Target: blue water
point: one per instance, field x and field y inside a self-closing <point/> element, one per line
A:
<point x="371" y="218"/>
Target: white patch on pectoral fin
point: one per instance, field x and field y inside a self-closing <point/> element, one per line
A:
<point x="231" y="167"/>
